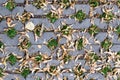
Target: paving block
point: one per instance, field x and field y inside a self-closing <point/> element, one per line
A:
<point x="18" y="10"/>
<point x="96" y="48"/>
<point x="97" y="76"/>
<point x="44" y="49"/>
<point x="30" y="8"/>
<point x="98" y="10"/>
<point x="3" y="25"/>
<point x="19" y="1"/>
<point x="69" y="21"/>
<point x="70" y="76"/>
<point x="13" y="77"/>
<point x="101" y="25"/>
<point x="58" y="23"/>
<point x="114" y="23"/>
<point x="30" y="77"/>
<point x="8" y="41"/>
<point x="101" y="36"/>
<point x="19" y="26"/>
<point x="32" y="38"/>
<point x="115" y="48"/>
<point x="76" y="52"/>
<point x="69" y="65"/>
<point x="68" y="11"/>
<point x="48" y="35"/>
<point x="13" y="49"/>
<point x="2" y="1"/>
<point x="84" y="24"/>
<point x="54" y="62"/>
<point x="4" y="11"/>
<point x="63" y="41"/>
<point x="40" y="75"/>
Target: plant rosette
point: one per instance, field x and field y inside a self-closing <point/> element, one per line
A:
<point x="94" y="57"/>
<point x="11" y="32"/>
<point x="12" y="59"/>
<point x="117" y="31"/>
<point x="79" y="16"/>
<point x="52" y="17"/>
<point x="39" y="58"/>
<point x="25" y="72"/>
<point x="66" y="30"/>
<point x="52" y="43"/>
<point x="106" y="44"/>
<point x="10" y="5"/>
<point x="107" y="14"/>
<point x="105" y="70"/>
<point x="93" y="30"/>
